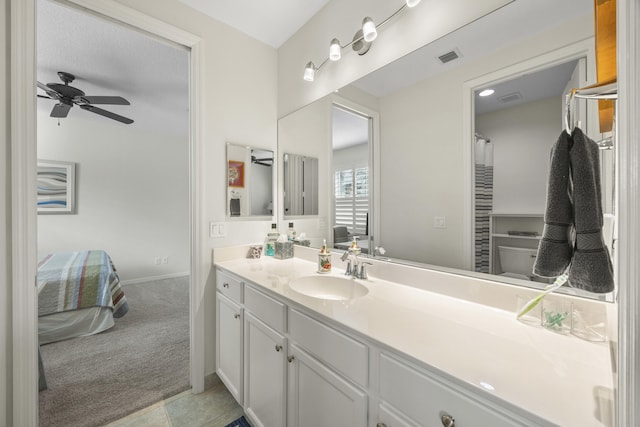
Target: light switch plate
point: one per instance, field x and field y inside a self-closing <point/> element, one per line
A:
<point x="217" y="230"/>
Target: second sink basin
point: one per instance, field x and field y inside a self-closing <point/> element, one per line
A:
<point x="329" y="287"/>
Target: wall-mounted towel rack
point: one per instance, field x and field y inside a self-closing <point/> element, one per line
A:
<point x="605" y="90"/>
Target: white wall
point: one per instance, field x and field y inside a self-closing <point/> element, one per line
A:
<point x="356" y="156"/>
<point x="238" y="105"/>
<point x="132" y="194"/>
<point x="522" y="138"/>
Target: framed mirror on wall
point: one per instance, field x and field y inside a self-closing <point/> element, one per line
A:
<point x="250" y="178"/>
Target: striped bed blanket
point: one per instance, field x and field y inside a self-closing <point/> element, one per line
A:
<point x="70" y="281"/>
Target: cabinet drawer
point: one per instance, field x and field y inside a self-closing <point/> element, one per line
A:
<point x="424" y="398"/>
<point x="229" y="285"/>
<point x="265" y="308"/>
<point x="346" y="355"/>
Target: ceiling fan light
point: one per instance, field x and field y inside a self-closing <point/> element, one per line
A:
<point x="334" y="50"/>
<point x="369" y="29"/>
<point x="309" y="72"/>
<point x="412" y="3"/>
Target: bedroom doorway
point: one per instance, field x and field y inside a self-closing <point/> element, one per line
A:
<point x="158" y="259"/>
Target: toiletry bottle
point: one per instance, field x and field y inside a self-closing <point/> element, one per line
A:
<point x="270" y="241"/>
<point x="355" y="249"/>
<point x="324" y="259"/>
<point x="291" y="233"/>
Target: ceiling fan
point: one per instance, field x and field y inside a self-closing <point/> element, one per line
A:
<point x="68" y="95"/>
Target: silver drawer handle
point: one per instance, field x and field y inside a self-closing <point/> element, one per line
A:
<point x="225" y="285"/>
<point x="290" y="359"/>
<point x="381" y="425"/>
<point x="278" y="347"/>
<point x="447" y="420"/>
<point x="236" y="316"/>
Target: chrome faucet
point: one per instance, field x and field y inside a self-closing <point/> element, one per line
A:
<point x="352" y="263"/>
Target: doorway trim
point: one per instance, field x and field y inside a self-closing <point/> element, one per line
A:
<point x="23" y="190"/>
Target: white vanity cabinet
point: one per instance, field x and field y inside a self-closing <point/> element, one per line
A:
<point x="328" y="372"/>
<point x="426" y="399"/>
<point x="229" y="328"/>
<point x="288" y="366"/>
<point x="265" y="359"/>
<point x="319" y="397"/>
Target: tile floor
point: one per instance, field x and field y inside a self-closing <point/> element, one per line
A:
<point x="213" y="408"/>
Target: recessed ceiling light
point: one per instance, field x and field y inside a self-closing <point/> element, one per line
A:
<point x="487" y="92"/>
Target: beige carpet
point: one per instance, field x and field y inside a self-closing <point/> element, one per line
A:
<point x="143" y="359"/>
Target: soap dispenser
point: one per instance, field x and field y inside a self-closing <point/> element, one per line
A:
<point x="354" y="248"/>
<point x="291" y="233"/>
<point x="324" y="259"/>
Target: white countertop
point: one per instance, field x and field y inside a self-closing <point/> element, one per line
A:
<point x="561" y="378"/>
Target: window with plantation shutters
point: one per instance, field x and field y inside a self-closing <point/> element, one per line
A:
<point x="352" y="199"/>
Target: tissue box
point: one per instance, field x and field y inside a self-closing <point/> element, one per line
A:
<point x="284" y="250"/>
<point x="302" y="242"/>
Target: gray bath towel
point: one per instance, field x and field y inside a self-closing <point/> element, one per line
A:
<point x="556" y="247"/>
<point x="591" y="267"/>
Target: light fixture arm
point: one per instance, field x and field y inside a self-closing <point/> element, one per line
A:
<point x="361" y="38"/>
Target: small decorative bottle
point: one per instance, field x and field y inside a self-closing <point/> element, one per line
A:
<point x="291" y="233"/>
<point x="270" y="241"/>
<point x="324" y="259"/>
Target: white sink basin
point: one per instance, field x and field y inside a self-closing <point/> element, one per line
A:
<point x="329" y="287"/>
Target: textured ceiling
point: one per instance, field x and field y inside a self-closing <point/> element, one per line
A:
<point x="111" y="59"/>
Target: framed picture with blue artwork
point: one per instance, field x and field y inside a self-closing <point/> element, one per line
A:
<point x="56" y="187"/>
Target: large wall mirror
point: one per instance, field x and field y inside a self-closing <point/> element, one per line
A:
<point x="433" y="201"/>
<point x="250" y="175"/>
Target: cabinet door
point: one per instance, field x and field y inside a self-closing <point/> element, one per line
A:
<point x="318" y="397"/>
<point x="265" y="374"/>
<point x="229" y="345"/>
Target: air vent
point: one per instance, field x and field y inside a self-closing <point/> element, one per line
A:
<point x="510" y="97"/>
<point x="450" y="56"/>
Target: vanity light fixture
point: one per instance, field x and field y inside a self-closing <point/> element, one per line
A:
<point x="487" y="92"/>
<point x="309" y="72"/>
<point x="361" y="41"/>
<point x="335" y="50"/>
<point x="369" y="29"/>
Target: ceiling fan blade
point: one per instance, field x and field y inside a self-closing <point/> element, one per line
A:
<point x="52" y="93"/>
<point x="107" y="114"/>
<point x="112" y="100"/>
<point x="60" y="110"/>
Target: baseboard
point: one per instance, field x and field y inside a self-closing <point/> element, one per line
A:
<point x="153" y="278"/>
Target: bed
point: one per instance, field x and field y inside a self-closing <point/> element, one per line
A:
<point x="79" y="293"/>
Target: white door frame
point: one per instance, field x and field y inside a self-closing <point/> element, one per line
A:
<point x="23" y="190"/>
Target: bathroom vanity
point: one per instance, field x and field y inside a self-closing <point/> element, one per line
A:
<point x="407" y="347"/>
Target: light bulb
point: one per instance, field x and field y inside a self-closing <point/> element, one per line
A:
<point x="411" y="3"/>
<point x="487" y="92"/>
<point x="369" y="29"/>
<point x="309" y="72"/>
<point x="334" y="50"/>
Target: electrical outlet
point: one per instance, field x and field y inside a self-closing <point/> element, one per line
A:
<point x="165" y="260"/>
<point x="157" y="260"/>
<point x="439" y="222"/>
